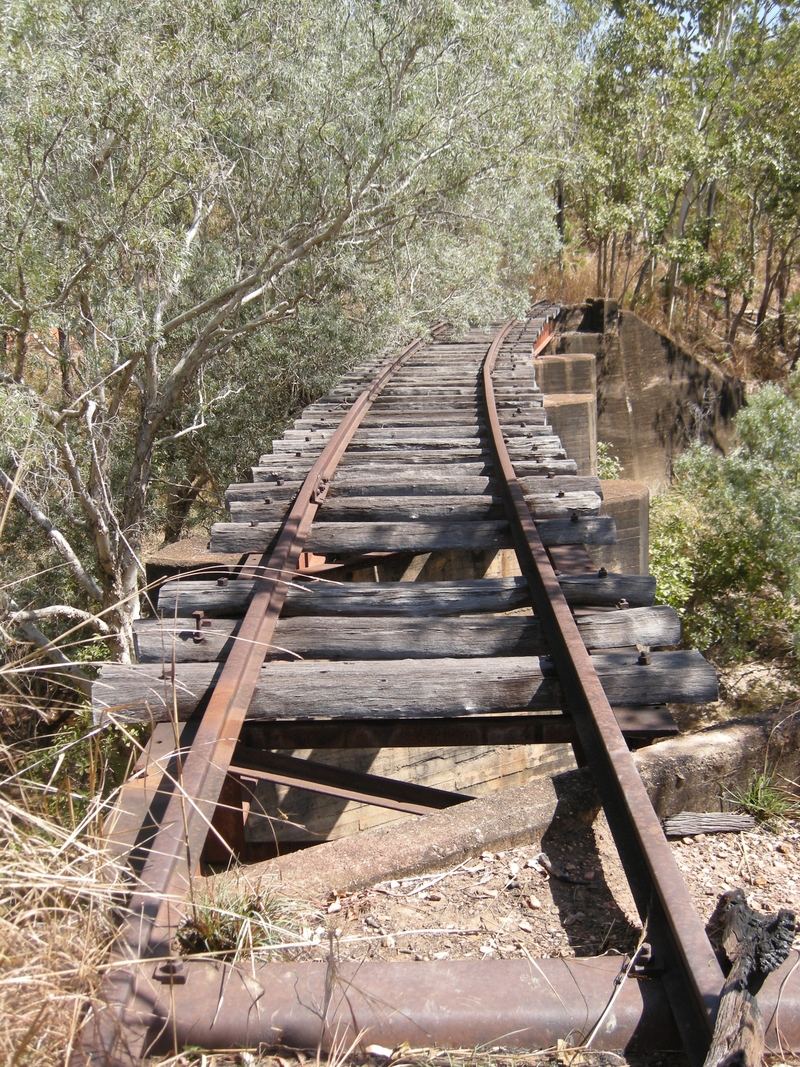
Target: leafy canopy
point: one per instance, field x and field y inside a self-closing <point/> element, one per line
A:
<point x="189" y="192"/>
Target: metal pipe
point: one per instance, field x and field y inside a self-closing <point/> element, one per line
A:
<point x="442" y="1004"/>
<point x="525" y="1004"/>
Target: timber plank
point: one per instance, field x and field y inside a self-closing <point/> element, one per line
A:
<point x="396" y="463"/>
<point x="401" y="457"/>
<point x="286" y="468"/>
<point x="329" y="537"/>
<point x="403" y="452"/>
<point x="411" y="437"/>
<point x="182" y="597"/>
<point x="387" y="429"/>
<point x="354" y="484"/>
<point x="409" y="508"/>
<point x="402" y="688"/>
<point x="591" y="530"/>
<point x="642" y="723"/>
<point x="158" y="641"/>
<point x="430" y="536"/>
<point x="314" y="444"/>
<point x="423" y="401"/>
<point x="382" y="509"/>
<point x="405" y="419"/>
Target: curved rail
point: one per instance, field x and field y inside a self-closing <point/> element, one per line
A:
<point x="692" y="975"/>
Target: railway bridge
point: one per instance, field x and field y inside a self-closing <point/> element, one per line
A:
<point x="411" y="570"/>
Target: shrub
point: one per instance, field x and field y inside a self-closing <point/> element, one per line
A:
<point x="725" y="539"/>
<point x="608" y="464"/>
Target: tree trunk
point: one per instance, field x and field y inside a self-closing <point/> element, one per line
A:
<point x="21" y="346"/>
<point x="736" y="322"/>
<point x="628" y="241"/>
<point x="613" y="267"/>
<point x="179" y="504"/>
<point x="769" y="284"/>
<point x="643" y="272"/>
<point x="122" y="603"/>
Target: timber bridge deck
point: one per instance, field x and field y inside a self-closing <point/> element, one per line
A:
<point x="446" y="448"/>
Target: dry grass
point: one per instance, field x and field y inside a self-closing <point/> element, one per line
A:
<point x="695" y="322"/>
<point x="573" y="283"/>
<point x="56" y="899"/>
<point x="494" y="1056"/>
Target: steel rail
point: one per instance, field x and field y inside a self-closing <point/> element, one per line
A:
<point x="341" y="782"/>
<point x="691" y="974"/>
<point x="116" y="1032"/>
<point x="443" y="1004"/>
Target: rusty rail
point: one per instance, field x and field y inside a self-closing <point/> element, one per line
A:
<point x="118" y="1033"/>
<point x="691" y="973"/>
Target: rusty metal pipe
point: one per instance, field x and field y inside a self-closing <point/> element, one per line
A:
<point x="449" y="1004"/>
<point x="446" y="1004"/>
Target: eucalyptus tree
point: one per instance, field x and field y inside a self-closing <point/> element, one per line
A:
<point x="690" y="121"/>
<point x="180" y="180"/>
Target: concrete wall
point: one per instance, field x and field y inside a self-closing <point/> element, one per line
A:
<point x="276" y="811"/>
<point x="629" y="504"/>
<point x="653" y="399"/>
<point x="569" y="384"/>
<point x="568" y="380"/>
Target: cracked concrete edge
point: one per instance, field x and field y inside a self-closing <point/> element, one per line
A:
<point x="699" y="772"/>
<point x="690" y="773"/>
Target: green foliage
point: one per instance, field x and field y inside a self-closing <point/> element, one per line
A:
<point x="725" y="539"/>
<point x="767" y="801"/>
<point x="608" y="464"/>
<point x="686" y="183"/>
<point x="73" y="770"/>
<point x="208" y="210"/>
<point x="239" y="922"/>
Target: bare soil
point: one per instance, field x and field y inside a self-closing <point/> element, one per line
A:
<point x="511" y="904"/>
<point x="514" y="904"/>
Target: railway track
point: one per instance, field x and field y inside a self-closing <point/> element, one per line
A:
<point x="445" y="450"/>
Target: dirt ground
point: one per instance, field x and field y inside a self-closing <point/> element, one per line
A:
<point x="573" y="902"/>
<point x="494" y="904"/>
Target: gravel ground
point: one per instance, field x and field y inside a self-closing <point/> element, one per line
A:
<point x="571" y="901"/>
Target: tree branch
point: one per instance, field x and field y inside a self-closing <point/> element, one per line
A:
<point x="31" y="633"/>
<point x="59" y="542"/>
<point x="62" y="611"/>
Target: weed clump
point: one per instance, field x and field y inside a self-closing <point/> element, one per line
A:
<point x="767" y="800"/>
<point x="233" y="922"/>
